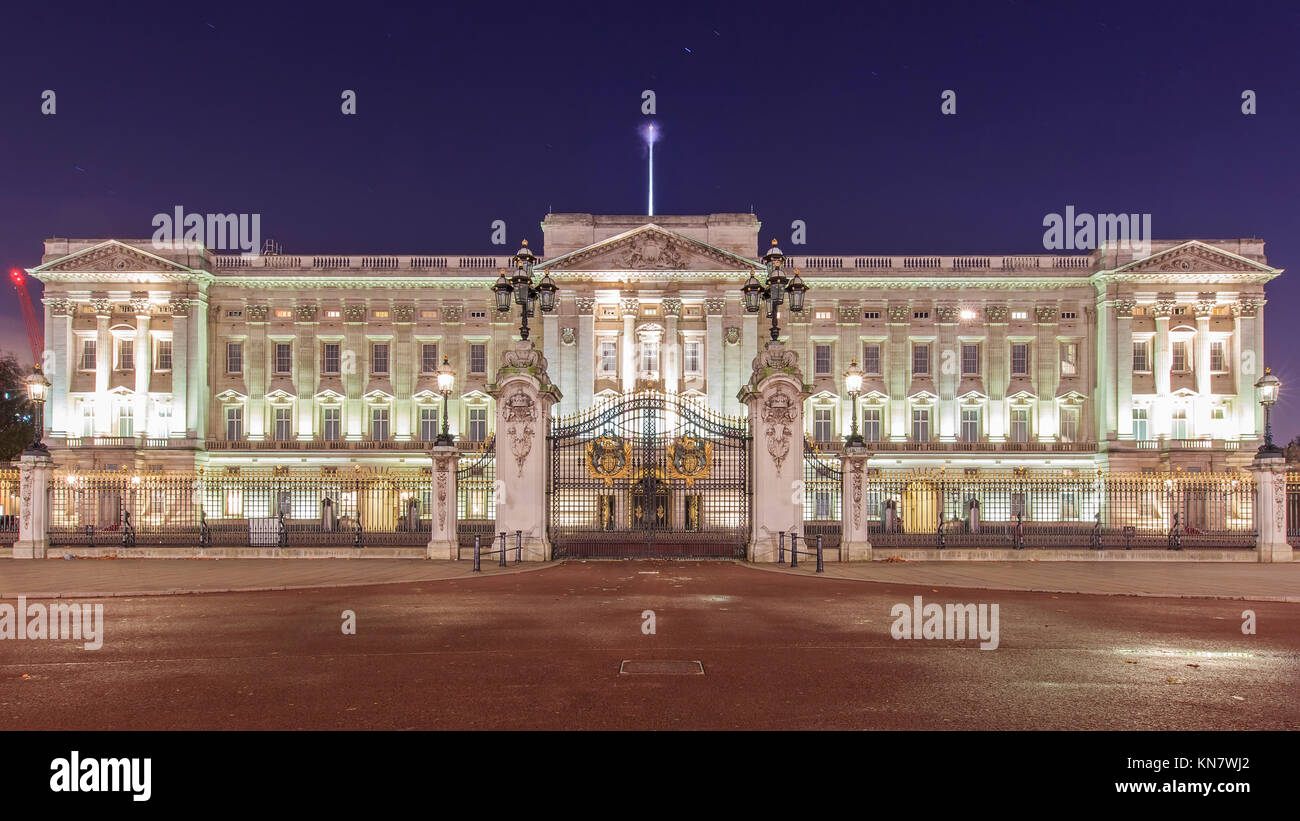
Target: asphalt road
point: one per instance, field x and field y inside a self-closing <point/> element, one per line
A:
<point x="543" y="650"/>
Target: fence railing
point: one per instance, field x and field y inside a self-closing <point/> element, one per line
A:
<point x="476" y="508"/>
<point x="242" y="507"/>
<point x="1062" y="510"/>
<point x="822" y="489"/>
<point x="1293" y="508"/>
<point x="9" y="505"/>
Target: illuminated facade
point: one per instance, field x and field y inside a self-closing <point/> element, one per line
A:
<point x="183" y="357"/>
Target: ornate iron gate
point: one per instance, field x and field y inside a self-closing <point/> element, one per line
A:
<point x="649" y="475"/>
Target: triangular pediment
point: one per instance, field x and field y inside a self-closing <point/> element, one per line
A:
<point x="650" y="248"/>
<point x="111" y="258"/>
<point x="1194" y="257"/>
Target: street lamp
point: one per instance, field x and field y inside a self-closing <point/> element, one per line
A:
<point x="774" y="291"/>
<point x="37" y="389"/>
<point x="527" y="296"/>
<point x="1268" y="386"/>
<point x="446" y="381"/>
<point x="853" y="384"/>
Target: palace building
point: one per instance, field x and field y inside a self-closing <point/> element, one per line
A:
<point x="186" y="358"/>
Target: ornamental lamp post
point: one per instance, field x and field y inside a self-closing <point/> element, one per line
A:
<point x="853" y="384"/>
<point x="37" y="389"/>
<point x="446" y="381"/>
<point x="774" y="291"/>
<point x="1268" y="386"/>
<point x="527" y="296"/>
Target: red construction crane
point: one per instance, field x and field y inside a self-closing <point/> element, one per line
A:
<point x="34" y="335"/>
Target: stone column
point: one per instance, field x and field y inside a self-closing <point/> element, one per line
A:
<point x="1201" y="423"/>
<point x="181" y="427"/>
<point x="444" y="544"/>
<point x="586" y="351"/>
<point x="103" y="366"/>
<point x="749" y="344"/>
<point x="307" y="364"/>
<point x="628" y="346"/>
<point x="714" y="373"/>
<point x="524" y="395"/>
<point x="143" y="367"/>
<point x="355" y="366"/>
<point x="1046" y="367"/>
<point x="1270" y="507"/>
<point x="775" y="397"/>
<point x="1248" y="367"/>
<point x="672" y="349"/>
<point x="897" y="372"/>
<point x="255" y="375"/>
<point x="1162" y="355"/>
<point x="1123" y="369"/>
<point x="948" y="356"/>
<point x="855" y="518"/>
<point x="35" y="472"/>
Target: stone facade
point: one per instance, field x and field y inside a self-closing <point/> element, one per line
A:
<point x="179" y="356"/>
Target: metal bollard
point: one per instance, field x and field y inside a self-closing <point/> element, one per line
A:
<point x="503" y="543"/>
<point x="821" y="567"/>
<point x="519" y="545"/>
<point x="794" y="549"/>
<point x="476" y="554"/>
<point x="502" y="563"/>
<point x="780" y="547"/>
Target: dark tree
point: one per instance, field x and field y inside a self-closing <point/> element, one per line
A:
<point x="16" y="413"/>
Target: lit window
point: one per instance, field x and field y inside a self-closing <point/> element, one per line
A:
<point x="331" y="424"/>
<point x="332" y="314"/>
<point x="477" y="424"/>
<point x="920" y="424"/>
<point x="608" y="358"/>
<point x="821" y="315"/>
<point x="1069" y="424"/>
<point x="125" y="355"/>
<point x="87" y="354"/>
<point x="283" y="313"/>
<point x="649" y="356"/>
<point x="692" y="357"/>
<point x="1218" y="361"/>
<point x="1069" y="358"/>
<point x="125" y="420"/>
<point x="1019" y="314"/>
<point x="234" y="423"/>
<point x="822" y="430"/>
<point x="164" y="355"/>
<point x="970" y="424"/>
<point x="428" y="423"/>
<point x="1180" y="356"/>
<point x="283" y="424"/>
<point x="1178" y="423"/>
<point x="379" y="423"/>
<point x="1141" y="423"/>
<point x="1020" y="424"/>
<point x="871" y="424"/>
<point x="1140" y="361"/>
<point x="967" y="314"/>
<point x="381" y="314"/>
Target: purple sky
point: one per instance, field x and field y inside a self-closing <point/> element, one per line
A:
<point x="477" y="112"/>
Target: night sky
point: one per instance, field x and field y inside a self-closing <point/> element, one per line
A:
<point x="484" y="111"/>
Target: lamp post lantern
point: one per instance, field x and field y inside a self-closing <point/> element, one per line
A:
<point x="446" y="381"/>
<point x="529" y="297"/>
<point x="853" y="384"/>
<point x="1268" y="386"/>
<point x="37" y="389"/>
<point x="774" y="291"/>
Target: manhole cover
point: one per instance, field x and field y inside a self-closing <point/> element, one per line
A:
<point x="648" y="667"/>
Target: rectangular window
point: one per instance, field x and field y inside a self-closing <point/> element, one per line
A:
<point x="1020" y="315"/>
<point x="87" y="354"/>
<point x="822" y="429"/>
<point x="871" y="314"/>
<point x="1180" y="356"/>
<point x="429" y="357"/>
<point x="970" y="424"/>
<point x="125" y="355"/>
<point x="1140" y="362"/>
<point x="821" y="360"/>
<point x="920" y="314"/>
<point x="871" y="358"/>
<point x="283" y="357"/>
<point x="920" y="424"/>
<point x="970" y="359"/>
<point x="87" y="419"/>
<point x="1069" y="315"/>
<point x="164" y="350"/>
<point x="1218" y="361"/>
<point x="234" y="423"/>
<point x="1140" y="424"/>
<point x="871" y="424"/>
<point x="478" y="358"/>
<point x="477" y="424"/>
<point x="234" y="357"/>
<point x="283" y="424"/>
<point x="920" y="358"/>
<point x="649" y="356"/>
<point x="692" y="357"/>
<point x="125" y="420"/>
<point x="379" y="423"/>
<point x="428" y="423"/>
<point x="379" y="357"/>
<point x="331" y="424"/>
<point x="608" y="358"/>
<point x="1020" y="424"/>
<point x="1020" y="359"/>
<point x="1178" y="424"/>
<point x="1069" y="359"/>
<point x="1069" y="424"/>
<point x="329" y="359"/>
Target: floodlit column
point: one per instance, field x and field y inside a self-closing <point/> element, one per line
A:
<point x="1201" y="424"/>
<point x="948" y="351"/>
<point x="103" y="366"/>
<point x="1046" y="367"/>
<point x="524" y="395"/>
<point x="855" y="518"/>
<point x="998" y="359"/>
<point x="181" y="426"/>
<point x="628" y="351"/>
<point x="35" y="472"/>
<point x="1163" y="361"/>
<point x="443" y="541"/>
<point x="775" y="397"/>
<point x="713" y="370"/>
<point x="60" y="365"/>
<point x="672" y="350"/>
<point x="1122" y="357"/>
<point x="143" y="370"/>
<point x="585" y="344"/>
<point x="1270" y="507"/>
<point x="897" y="371"/>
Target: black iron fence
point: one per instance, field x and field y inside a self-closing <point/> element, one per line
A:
<point x="9" y="505"/>
<point x="1293" y="508"/>
<point x="1069" y="509"/>
<point x="476" y="495"/>
<point x="822" y="488"/>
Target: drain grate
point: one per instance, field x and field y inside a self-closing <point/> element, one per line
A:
<point x="654" y="667"/>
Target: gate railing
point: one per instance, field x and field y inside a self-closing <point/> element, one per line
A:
<point x="9" y="505"/>
<point x="1293" y="507"/>
<point x="822" y="488"/>
<point x="1062" y="510"/>
<point x="311" y="507"/>
<point x="476" y="506"/>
